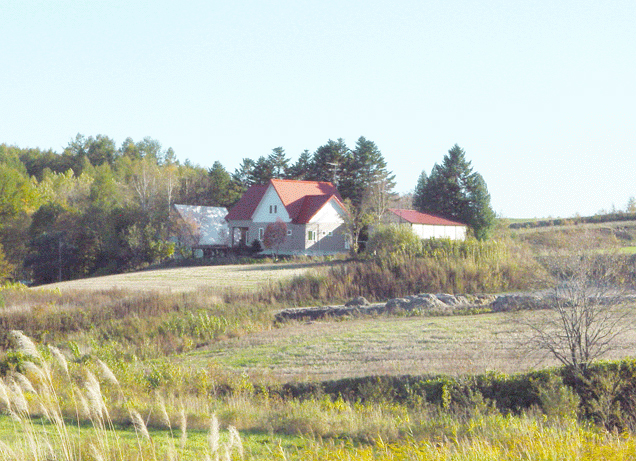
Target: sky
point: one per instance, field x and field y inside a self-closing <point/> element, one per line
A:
<point x="540" y="94"/>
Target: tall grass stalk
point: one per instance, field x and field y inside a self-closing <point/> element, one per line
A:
<point x="34" y="401"/>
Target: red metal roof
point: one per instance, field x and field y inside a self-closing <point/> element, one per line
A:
<point x="244" y="208"/>
<point x="415" y="217"/>
<point x="302" y="199"/>
<point x="310" y="206"/>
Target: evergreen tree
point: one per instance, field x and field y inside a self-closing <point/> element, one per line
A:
<point x="263" y="171"/>
<point x="328" y="161"/>
<point x="300" y="169"/>
<point x="221" y="191"/>
<point x="365" y="173"/>
<point x="279" y="163"/>
<point x="243" y="176"/>
<point x="454" y="191"/>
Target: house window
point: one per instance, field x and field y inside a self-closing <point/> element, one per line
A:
<point x="273" y="209"/>
<point x="289" y="232"/>
<point x="261" y="233"/>
<point x="310" y="235"/>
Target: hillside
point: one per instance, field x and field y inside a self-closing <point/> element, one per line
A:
<point x="244" y="277"/>
<point x="185" y="346"/>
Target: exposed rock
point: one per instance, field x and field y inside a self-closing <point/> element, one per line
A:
<point x="507" y="303"/>
<point x="424" y="304"/>
<point x="359" y="301"/>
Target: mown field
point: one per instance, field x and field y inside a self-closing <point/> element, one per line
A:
<point x="336" y="349"/>
<point x="236" y="277"/>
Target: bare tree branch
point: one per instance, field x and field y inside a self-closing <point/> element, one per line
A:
<point x="587" y="314"/>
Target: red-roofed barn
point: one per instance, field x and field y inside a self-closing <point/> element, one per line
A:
<point x="426" y="225"/>
<point x="312" y="210"/>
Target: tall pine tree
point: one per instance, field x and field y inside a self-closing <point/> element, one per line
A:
<point x="454" y="191"/>
<point x="364" y="171"/>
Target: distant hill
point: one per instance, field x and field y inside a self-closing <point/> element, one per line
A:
<point x="596" y="219"/>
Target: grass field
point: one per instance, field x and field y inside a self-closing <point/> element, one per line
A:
<point x="204" y="340"/>
<point x="238" y="277"/>
<point x="326" y="350"/>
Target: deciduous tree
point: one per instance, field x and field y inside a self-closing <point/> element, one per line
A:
<point x="275" y="235"/>
<point x="586" y="315"/>
<point x="5" y="268"/>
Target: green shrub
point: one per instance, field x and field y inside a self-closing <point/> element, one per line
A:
<point x="390" y="240"/>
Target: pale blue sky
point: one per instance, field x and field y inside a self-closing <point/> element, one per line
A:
<point x="541" y="94"/>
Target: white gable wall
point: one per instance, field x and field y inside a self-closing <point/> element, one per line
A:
<point x="270" y="199"/>
<point x="329" y="213"/>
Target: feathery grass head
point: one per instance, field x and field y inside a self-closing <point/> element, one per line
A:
<point x="24" y="383"/>
<point x="107" y="374"/>
<point x="140" y="425"/>
<point x="60" y="359"/>
<point x="4" y="395"/>
<point x="24" y="344"/>
<point x="165" y="419"/>
<point x="35" y="371"/>
<point x="95" y="453"/>
<point x="96" y="403"/>
<point x="83" y="405"/>
<point x="17" y="398"/>
<point x="183" y="424"/>
<point x="235" y="440"/>
<point x="213" y="434"/>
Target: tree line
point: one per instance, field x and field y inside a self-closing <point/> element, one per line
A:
<point x="98" y="208"/>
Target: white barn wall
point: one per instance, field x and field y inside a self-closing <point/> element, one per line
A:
<point x="426" y="231"/>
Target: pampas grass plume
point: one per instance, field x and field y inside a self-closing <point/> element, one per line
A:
<point x="61" y="360"/>
<point x="235" y="440"/>
<point x="94" y="395"/>
<point x="213" y="435"/>
<point x="107" y="373"/>
<point x="4" y="395"/>
<point x="165" y="419"/>
<point x="19" y="402"/>
<point x="24" y="383"/>
<point x="25" y="345"/>
<point x="95" y="453"/>
<point x="183" y="422"/>
<point x="139" y="424"/>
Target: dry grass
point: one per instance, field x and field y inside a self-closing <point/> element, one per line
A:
<point x="238" y="277"/>
<point x="389" y="346"/>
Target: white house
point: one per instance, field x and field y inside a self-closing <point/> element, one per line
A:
<point x="312" y="211"/>
<point x="426" y="225"/>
